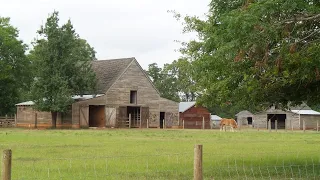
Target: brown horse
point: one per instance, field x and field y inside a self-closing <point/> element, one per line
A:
<point x="228" y="122"/>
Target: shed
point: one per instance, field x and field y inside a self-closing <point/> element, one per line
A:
<point x="287" y="119"/>
<point x="244" y="118"/>
<point x="215" y="121"/>
<point x="193" y="116"/>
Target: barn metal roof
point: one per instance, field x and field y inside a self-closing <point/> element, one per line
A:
<point x="183" y="106"/>
<point x="306" y="112"/>
<point x="75" y="97"/>
<point x="215" y="117"/>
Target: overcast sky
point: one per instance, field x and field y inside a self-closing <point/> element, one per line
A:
<point x="115" y="28"/>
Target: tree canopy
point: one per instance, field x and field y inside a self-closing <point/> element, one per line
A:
<point x="62" y="63"/>
<point x="14" y="66"/>
<point x="254" y="53"/>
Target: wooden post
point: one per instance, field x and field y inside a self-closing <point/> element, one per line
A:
<point x="285" y="124"/>
<point x="276" y="125"/>
<point x="15" y="120"/>
<point x="258" y="126"/>
<point x="164" y="124"/>
<point x="304" y="126"/>
<point x="269" y="125"/>
<point x="140" y="122"/>
<point x="6" y="164"/>
<point x="317" y="125"/>
<point x="129" y="121"/>
<point x="203" y="123"/>
<point x="183" y="124"/>
<point x="291" y="124"/>
<point x="147" y="123"/>
<point x="197" y="168"/>
<point x="35" y="120"/>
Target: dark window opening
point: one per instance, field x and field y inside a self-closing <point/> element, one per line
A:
<point x="281" y="119"/>
<point x="249" y="120"/>
<point x="133" y="97"/>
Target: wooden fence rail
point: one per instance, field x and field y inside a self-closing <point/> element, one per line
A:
<point x="7" y="121"/>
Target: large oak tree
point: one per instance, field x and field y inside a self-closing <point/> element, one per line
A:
<point x="254" y="53"/>
<point x="62" y="67"/>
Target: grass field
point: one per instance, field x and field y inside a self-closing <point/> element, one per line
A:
<point x="161" y="154"/>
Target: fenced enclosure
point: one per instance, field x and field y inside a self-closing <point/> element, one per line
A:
<point x="161" y="154"/>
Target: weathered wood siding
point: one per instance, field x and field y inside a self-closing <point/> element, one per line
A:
<point x="171" y="110"/>
<point x="26" y="118"/>
<point x="310" y="120"/>
<point x="260" y="119"/>
<point x="134" y="79"/>
<point x="193" y="118"/>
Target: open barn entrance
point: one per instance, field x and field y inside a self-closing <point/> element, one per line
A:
<point x="96" y="116"/>
<point x="249" y="120"/>
<point x="135" y="115"/>
<point x="281" y="120"/>
<point x="162" y="116"/>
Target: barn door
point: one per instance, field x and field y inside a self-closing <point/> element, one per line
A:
<point x="168" y="119"/>
<point x="84" y="116"/>
<point x="122" y="116"/>
<point x="144" y="116"/>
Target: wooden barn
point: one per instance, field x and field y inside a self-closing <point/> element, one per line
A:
<point x="287" y="119"/>
<point x="193" y="116"/>
<point x="244" y="118"/>
<point x="126" y="98"/>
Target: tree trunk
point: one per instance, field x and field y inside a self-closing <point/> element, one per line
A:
<point x="54" y="119"/>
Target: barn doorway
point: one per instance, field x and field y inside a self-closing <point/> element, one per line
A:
<point x="281" y="120"/>
<point x="96" y="116"/>
<point x="249" y="119"/>
<point x="135" y="115"/>
<point x="162" y="116"/>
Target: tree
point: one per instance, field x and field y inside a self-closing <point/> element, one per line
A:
<point x="164" y="82"/>
<point x="62" y="66"/>
<point x="14" y="76"/>
<point x="182" y="71"/>
<point x="254" y="53"/>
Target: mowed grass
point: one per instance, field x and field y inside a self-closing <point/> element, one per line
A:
<point x="161" y="154"/>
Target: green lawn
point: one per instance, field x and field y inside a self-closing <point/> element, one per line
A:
<point x="161" y="154"/>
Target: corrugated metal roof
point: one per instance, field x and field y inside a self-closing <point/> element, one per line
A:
<point x="183" y="106"/>
<point x="75" y="97"/>
<point x="215" y="117"/>
<point x="306" y="112"/>
<point x="27" y="103"/>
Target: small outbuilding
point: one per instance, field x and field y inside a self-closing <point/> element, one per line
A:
<point x="244" y="118"/>
<point x="215" y="121"/>
<point x="194" y="116"/>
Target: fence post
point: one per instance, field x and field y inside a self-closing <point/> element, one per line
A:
<point x="258" y="126"/>
<point x="276" y="125"/>
<point x="285" y="124"/>
<point x="291" y="124"/>
<point x="304" y="126"/>
<point x="164" y="124"/>
<point x="140" y="122"/>
<point x="15" y="120"/>
<point x="317" y="125"/>
<point x="147" y="123"/>
<point x="6" y="164"/>
<point x="203" y="123"/>
<point x="129" y="121"/>
<point x="197" y="168"/>
<point x="183" y="124"/>
<point x="35" y="120"/>
<point x="269" y="125"/>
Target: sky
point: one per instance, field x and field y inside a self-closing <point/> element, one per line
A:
<point x="115" y="28"/>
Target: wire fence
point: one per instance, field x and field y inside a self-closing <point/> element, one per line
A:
<point x="264" y="165"/>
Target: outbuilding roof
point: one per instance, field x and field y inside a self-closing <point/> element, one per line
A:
<point x="75" y="97"/>
<point x="215" y="117"/>
<point x="306" y="112"/>
<point x="183" y="106"/>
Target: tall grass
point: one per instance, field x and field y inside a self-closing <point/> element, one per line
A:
<point x="160" y="154"/>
